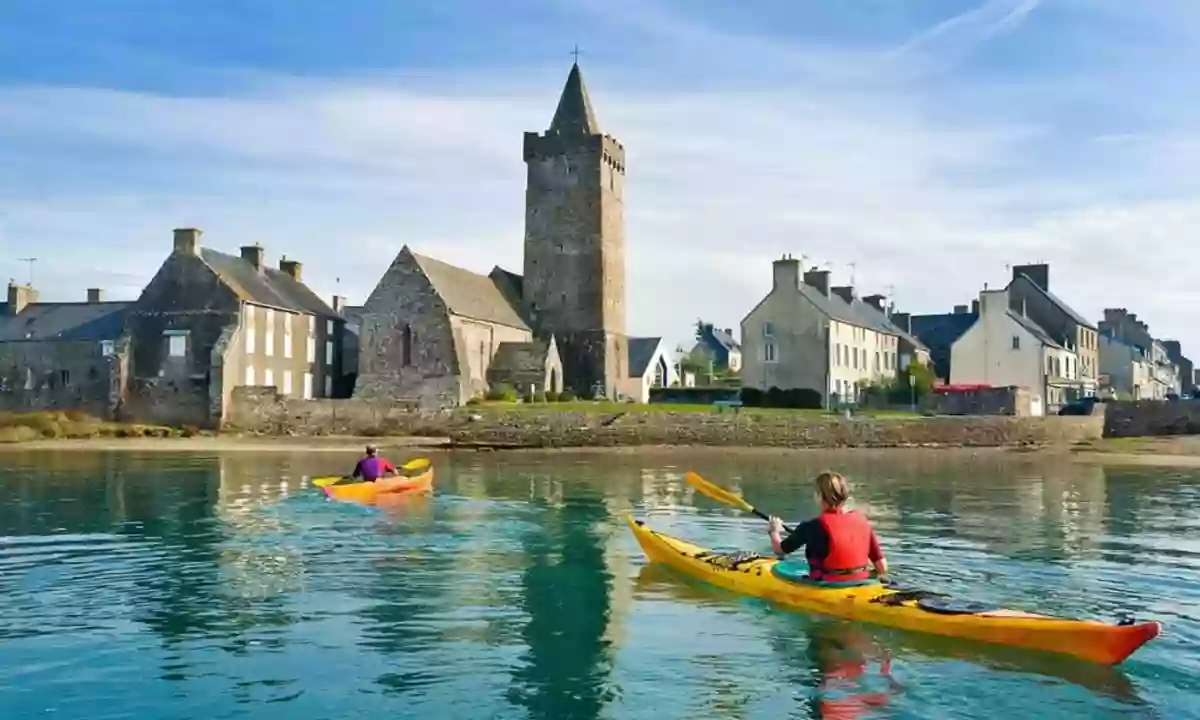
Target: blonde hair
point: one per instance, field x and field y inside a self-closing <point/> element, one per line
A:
<point x="832" y="488"/>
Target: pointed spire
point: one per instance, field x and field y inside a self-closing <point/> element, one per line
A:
<point x="574" y="115"/>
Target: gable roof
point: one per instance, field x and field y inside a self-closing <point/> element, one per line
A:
<point x="520" y="357"/>
<point x="853" y="313"/>
<point x="469" y="294"/>
<point x="641" y="352"/>
<point x="940" y="331"/>
<point x="271" y="287"/>
<point x="65" y="321"/>
<point x="722" y="338"/>
<point x="1036" y="330"/>
<point x="1067" y="309"/>
<point x="895" y="329"/>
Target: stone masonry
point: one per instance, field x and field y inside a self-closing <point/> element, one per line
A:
<point x="574" y="274"/>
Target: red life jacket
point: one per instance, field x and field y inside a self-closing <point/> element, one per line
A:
<point x="849" y="547"/>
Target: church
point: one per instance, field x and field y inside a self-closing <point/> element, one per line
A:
<point x="441" y="334"/>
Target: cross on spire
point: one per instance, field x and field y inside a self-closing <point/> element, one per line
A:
<point x="575" y="52"/>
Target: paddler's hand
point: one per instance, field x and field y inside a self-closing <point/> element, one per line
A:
<point x="774" y="526"/>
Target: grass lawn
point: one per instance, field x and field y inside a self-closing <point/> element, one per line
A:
<point x="615" y="407"/>
<point x="25" y="426"/>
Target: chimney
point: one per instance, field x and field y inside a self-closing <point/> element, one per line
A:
<point x="729" y="332"/>
<point x="991" y="301"/>
<point x="339" y="304"/>
<point x="786" y="273"/>
<point x="187" y="241"/>
<point x="818" y="279"/>
<point x="19" y="296"/>
<point x="1039" y="274"/>
<point x="960" y="309"/>
<point x="975" y="306"/>
<point x="253" y="254"/>
<point x="845" y="292"/>
<point x="291" y="268"/>
<point x="95" y="295"/>
<point x="902" y="321"/>
<point x="876" y="301"/>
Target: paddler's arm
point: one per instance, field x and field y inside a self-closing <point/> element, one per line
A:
<point x="357" y="470"/>
<point x="875" y="554"/>
<point x="784" y="546"/>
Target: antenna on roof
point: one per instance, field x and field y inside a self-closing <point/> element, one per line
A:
<point x="853" y="267"/>
<point x="31" y="261"/>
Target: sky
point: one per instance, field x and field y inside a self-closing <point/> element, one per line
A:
<point x="918" y="149"/>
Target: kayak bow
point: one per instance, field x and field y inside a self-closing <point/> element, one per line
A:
<point x="763" y="577"/>
<point x="367" y="492"/>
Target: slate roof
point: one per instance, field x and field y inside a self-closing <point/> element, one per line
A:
<point x="470" y="294"/>
<point x="65" y="321"/>
<point x="272" y="287"/>
<point x="641" y="352"/>
<point x="1037" y="330"/>
<point x="574" y="114"/>
<point x="855" y="313"/>
<point x="1058" y="302"/>
<point x="940" y="331"/>
<point x="895" y="329"/>
<point x="725" y="339"/>
<point x="520" y="357"/>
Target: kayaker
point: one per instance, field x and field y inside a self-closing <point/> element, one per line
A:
<point x="840" y="544"/>
<point x="372" y="467"/>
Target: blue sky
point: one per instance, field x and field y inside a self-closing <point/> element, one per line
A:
<point x="930" y="142"/>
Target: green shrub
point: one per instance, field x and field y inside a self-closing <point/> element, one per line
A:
<point x="551" y="396"/>
<point x="566" y="396"/>
<point x="539" y="397"/>
<point x="502" y="393"/>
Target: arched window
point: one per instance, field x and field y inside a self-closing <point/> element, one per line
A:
<point x="407" y="346"/>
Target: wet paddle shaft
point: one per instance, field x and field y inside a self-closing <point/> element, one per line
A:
<point x="727" y="497"/>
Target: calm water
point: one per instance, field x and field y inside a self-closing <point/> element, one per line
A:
<point x="224" y="587"/>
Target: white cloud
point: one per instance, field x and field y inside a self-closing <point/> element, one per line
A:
<point x="341" y="173"/>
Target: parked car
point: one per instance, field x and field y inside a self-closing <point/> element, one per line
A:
<point x="1082" y="406"/>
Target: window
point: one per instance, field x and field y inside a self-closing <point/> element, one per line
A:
<point x="308" y="386"/>
<point x="269" y="334"/>
<point x="28" y="378"/>
<point x="250" y="376"/>
<point x="250" y="341"/>
<point x="176" y="343"/>
<point x="329" y="354"/>
<point x="1016" y="343"/>
<point x="328" y="386"/>
<point x="329" y="328"/>
<point x="287" y="382"/>
<point x="769" y="354"/>
<point x="837" y="354"/>
<point x="311" y="351"/>
<point x="876" y="361"/>
<point x="64" y="377"/>
<point x="768" y="329"/>
<point x="854" y="358"/>
<point x="406" y="346"/>
<point x="269" y="378"/>
<point x="289" y="340"/>
<point x="108" y="348"/>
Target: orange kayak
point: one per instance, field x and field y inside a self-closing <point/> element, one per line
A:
<point x="367" y="492"/>
<point x="782" y="582"/>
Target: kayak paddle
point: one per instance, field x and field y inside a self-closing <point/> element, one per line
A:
<point x="727" y="497"/>
<point x="415" y="464"/>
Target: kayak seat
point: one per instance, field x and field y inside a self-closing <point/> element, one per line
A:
<point x="797" y="572"/>
<point x="949" y="606"/>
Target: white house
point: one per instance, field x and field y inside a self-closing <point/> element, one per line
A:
<point x="1129" y="371"/>
<point x="649" y="367"/>
<point x="1003" y="347"/>
<point x="802" y="335"/>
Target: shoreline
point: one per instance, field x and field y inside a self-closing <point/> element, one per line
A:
<point x="1106" y="452"/>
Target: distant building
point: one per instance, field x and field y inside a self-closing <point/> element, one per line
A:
<point x="940" y="331"/>
<point x="1124" y="326"/>
<point x="62" y="355"/>
<point x="721" y="346"/>
<point x="804" y="336"/>
<point x="1029" y="294"/>
<point x="209" y="322"/>
<point x="649" y="367"/>
<point x="1006" y="348"/>
<point x="1183" y="366"/>
<point x="1128" y="368"/>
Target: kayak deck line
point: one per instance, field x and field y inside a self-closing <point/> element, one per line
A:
<point x="886" y="604"/>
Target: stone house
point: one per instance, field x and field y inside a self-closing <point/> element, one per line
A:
<point x="209" y="322"/>
<point x="433" y="332"/>
<point x="911" y="347"/>
<point x="1124" y="326"/>
<point x="1029" y="294"/>
<point x="1126" y="370"/>
<point x="802" y="335"/>
<point x="62" y="355"/>
<point x="939" y="331"/>
<point x="1183" y="366"/>
<point x="1005" y="348"/>
<point x="720" y="345"/>
<point x="649" y="367"/>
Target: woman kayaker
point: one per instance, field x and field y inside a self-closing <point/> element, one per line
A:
<point x="839" y="543"/>
<point x="372" y="467"/>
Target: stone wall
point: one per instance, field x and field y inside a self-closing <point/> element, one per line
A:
<point x="84" y="375"/>
<point x="982" y="401"/>
<point x="264" y="410"/>
<point x="1142" y="418"/>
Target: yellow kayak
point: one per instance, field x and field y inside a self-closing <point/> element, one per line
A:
<point x="870" y="601"/>
<point x="368" y="492"/>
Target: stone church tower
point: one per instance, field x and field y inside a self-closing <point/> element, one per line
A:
<point x="574" y="284"/>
